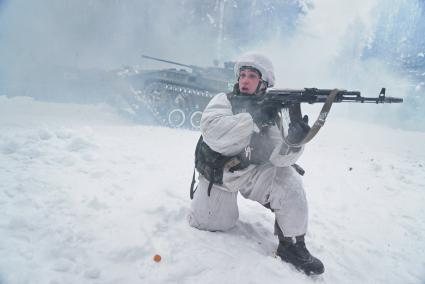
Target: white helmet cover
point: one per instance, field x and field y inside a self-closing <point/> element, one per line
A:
<point x="259" y="62"/>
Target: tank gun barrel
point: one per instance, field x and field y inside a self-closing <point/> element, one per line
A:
<point x="194" y="68"/>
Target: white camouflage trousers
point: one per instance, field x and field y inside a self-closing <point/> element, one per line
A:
<point x="279" y="187"/>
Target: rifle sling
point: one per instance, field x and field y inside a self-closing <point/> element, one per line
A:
<point x="192" y="191"/>
<point x="320" y="121"/>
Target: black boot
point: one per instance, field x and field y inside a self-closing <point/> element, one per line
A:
<point x="297" y="254"/>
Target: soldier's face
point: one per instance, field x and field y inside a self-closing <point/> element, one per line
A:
<point x="248" y="81"/>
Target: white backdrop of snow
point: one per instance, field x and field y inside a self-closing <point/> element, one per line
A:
<point x="87" y="197"/>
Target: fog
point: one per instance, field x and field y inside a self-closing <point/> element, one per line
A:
<point x="324" y="44"/>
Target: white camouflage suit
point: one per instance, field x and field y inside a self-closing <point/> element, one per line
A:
<point x="275" y="183"/>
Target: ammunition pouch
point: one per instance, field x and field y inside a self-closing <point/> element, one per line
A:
<point x="212" y="164"/>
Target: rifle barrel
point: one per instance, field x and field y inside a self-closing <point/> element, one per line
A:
<point x="359" y="99"/>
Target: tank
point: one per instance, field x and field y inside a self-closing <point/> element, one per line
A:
<point x="177" y="97"/>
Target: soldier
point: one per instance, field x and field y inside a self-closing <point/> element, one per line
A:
<point x="264" y="169"/>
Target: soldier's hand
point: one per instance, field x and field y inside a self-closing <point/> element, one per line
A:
<point x="264" y="116"/>
<point x="298" y="130"/>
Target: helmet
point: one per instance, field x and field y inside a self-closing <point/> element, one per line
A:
<point x="259" y="62"/>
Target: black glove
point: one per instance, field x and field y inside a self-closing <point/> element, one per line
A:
<point x="298" y="130"/>
<point x="264" y="116"/>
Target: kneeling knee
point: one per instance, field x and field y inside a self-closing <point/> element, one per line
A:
<point x="211" y="223"/>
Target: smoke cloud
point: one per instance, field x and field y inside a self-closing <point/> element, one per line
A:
<point x="312" y="44"/>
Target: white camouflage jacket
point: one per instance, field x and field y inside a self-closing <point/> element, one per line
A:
<point x="229" y="134"/>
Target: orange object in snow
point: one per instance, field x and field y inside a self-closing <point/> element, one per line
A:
<point x="157" y="258"/>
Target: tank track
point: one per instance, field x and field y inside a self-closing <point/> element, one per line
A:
<point x="172" y="105"/>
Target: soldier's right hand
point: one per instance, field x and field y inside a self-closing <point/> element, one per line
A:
<point x="298" y="130"/>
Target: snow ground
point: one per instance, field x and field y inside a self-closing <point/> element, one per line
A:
<point x="88" y="197"/>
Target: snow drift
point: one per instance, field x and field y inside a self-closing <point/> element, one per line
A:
<point x="87" y="197"/>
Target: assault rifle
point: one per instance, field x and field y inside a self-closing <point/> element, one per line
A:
<point x="292" y="99"/>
